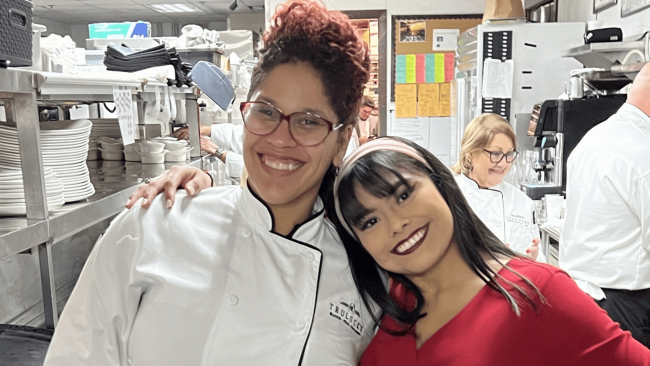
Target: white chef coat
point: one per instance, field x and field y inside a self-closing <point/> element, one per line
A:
<point x="207" y="283"/>
<point x="505" y="210"/>
<point x="605" y="242"/>
<point x="230" y="137"/>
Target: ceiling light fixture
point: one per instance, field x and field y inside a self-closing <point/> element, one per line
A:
<point x="233" y="6"/>
<point x="174" y="8"/>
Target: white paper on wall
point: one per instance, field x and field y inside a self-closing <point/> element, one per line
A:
<point x="414" y="129"/>
<point x="497" y="78"/>
<point x="445" y="39"/>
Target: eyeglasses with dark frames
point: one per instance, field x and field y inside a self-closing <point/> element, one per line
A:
<point x="308" y="129"/>
<point x="497" y="156"/>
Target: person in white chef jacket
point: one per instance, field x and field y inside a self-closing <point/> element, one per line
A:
<point x="487" y="153"/>
<point x="605" y="242"/>
<point x="241" y="276"/>
<point x="224" y="141"/>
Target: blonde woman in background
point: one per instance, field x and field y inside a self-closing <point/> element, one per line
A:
<point x="488" y="150"/>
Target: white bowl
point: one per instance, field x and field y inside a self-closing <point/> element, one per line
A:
<point x="153" y="157"/>
<point x="93" y="154"/>
<point x="176" y="155"/>
<point x="164" y="138"/>
<point x="112" y="154"/>
<point x="175" y="145"/>
<point x="134" y="147"/>
<point x="188" y="156"/>
<point x="151" y="147"/>
<point x="131" y="155"/>
<point x="111" y="146"/>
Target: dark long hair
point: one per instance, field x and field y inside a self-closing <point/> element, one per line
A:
<point x="473" y="238"/>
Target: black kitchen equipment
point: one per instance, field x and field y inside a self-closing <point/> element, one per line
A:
<point x="15" y="33"/>
<point x="560" y="127"/>
<point x="604" y="35"/>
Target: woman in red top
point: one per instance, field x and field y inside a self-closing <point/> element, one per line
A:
<point x="458" y="296"/>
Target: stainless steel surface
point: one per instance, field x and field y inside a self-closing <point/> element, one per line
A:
<point x="194" y="126"/>
<point x="48" y="285"/>
<point x="20" y="234"/>
<point x="628" y="70"/>
<point x="529" y="4"/>
<point x="17" y="81"/>
<point x="19" y="91"/>
<point x="594" y="54"/>
<point x="25" y="114"/>
<point x="577" y="89"/>
<point x="559" y="168"/>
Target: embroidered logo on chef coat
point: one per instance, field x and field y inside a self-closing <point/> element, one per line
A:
<point x="348" y="314"/>
<point x="518" y="220"/>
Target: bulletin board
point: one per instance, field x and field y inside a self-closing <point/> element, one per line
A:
<point x="422" y="72"/>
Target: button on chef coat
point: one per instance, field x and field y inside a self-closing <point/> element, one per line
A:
<point x="505" y="210"/>
<point x="230" y="137"/>
<point x="207" y="283"/>
<point x="605" y="242"/>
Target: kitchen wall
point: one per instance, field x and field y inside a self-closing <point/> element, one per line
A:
<point x="255" y="22"/>
<point x="582" y="11"/>
<point x="53" y="26"/>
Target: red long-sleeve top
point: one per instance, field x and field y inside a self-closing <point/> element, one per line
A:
<point x="568" y="329"/>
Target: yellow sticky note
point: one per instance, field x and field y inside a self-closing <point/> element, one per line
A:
<point x="406" y="100"/>
<point x="410" y="69"/>
<point x="428" y="100"/>
<point x="445" y="99"/>
<point x="440" y="67"/>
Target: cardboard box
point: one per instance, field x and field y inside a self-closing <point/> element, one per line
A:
<point x="502" y="9"/>
<point x="137" y="29"/>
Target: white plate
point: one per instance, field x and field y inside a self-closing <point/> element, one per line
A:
<point x="70" y="198"/>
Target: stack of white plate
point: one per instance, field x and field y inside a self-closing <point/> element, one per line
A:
<point x="12" y="194"/>
<point x="108" y="127"/>
<point x="64" y="145"/>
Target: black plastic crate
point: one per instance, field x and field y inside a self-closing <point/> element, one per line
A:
<point x="16" y="33"/>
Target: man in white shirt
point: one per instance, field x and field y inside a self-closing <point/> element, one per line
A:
<point x="224" y="141"/>
<point x="605" y="244"/>
<point x="360" y="133"/>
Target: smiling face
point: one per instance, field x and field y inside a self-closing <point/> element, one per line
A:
<point x="409" y="231"/>
<point x="281" y="171"/>
<point x="485" y="172"/>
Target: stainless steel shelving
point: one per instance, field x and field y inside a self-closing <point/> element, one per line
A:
<point x="594" y="54"/>
<point x="20" y="91"/>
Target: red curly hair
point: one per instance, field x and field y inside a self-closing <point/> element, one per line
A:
<point x="305" y="31"/>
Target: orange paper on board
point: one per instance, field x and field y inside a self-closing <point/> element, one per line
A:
<point x="406" y="100"/>
<point x="428" y="100"/>
<point x="445" y="100"/>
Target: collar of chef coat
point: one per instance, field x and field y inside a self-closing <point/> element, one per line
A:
<point x="474" y="185"/>
<point x="257" y="212"/>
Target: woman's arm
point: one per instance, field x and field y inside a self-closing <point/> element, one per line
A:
<point x="585" y="329"/>
<point x="95" y="326"/>
<point x="192" y="179"/>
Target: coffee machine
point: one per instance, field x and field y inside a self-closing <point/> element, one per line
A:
<point x="560" y="126"/>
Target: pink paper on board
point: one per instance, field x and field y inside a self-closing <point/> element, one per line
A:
<point x="450" y="66"/>
<point x="420" y="69"/>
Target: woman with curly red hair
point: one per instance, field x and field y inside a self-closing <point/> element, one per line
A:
<point x="241" y="276"/>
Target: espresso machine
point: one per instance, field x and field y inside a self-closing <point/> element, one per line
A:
<point x="558" y="126"/>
